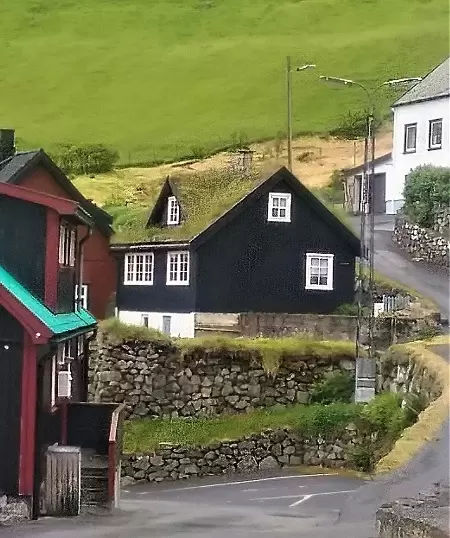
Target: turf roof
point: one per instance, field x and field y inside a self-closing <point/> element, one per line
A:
<point x="203" y="197"/>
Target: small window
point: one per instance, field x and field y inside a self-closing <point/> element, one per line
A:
<point x="410" y="137"/>
<point x="173" y="211"/>
<point x="80" y="346"/>
<point x="67" y="245"/>
<point x="145" y="320"/>
<point x="435" y="134"/>
<point x="82" y="297"/>
<point x="178" y="268"/>
<point x="138" y="270"/>
<point x="279" y="209"/>
<point x="319" y="271"/>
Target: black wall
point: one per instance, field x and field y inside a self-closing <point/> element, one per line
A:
<point x="11" y="335"/>
<point x="159" y="297"/>
<point x="259" y="266"/>
<point x="22" y="242"/>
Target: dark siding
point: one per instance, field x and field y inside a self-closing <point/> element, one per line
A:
<point x="10" y="382"/>
<point x="259" y="266"/>
<point x="159" y="297"/>
<point x="22" y="242"/>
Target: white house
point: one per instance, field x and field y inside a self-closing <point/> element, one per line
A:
<point x="421" y="135"/>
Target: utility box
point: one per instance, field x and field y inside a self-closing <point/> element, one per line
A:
<point x="63" y="481"/>
<point x="365" y="380"/>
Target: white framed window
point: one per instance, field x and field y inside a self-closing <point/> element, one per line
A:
<point x="82" y="295"/>
<point x="319" y="271"/>
<point x="138" y="269"/>
<point x="173" y="210"/>
<point x="279" y="208"/>
<point x="67" y="245"/>
<point x="410" y="137"/>
<point x="178" y="268"/>
<point x="435" y="134"/>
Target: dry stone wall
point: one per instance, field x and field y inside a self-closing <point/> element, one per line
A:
<point x="421" y="243"/>
<point x="272" y="449"/>
<point x="160" y="381"/>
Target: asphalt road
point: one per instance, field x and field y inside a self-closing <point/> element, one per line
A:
<point x="394" y="263"/>
<point x="281" y="505"/>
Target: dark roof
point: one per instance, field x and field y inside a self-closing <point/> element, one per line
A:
<point x="360" y="167"/>
<point x="15" y="168"/>
<point x="225" y="198"/>
<point x="435" y="85"/>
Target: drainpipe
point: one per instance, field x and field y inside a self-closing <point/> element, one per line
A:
<point x="80" y="267"/>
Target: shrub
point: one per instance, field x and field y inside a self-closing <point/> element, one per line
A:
<point x="364" y="457"/>
<point x="85" y="159"/>
<point x="384" y="415"/>
<point x="117" y="330"/>
<point x="352" y="126"/>
<point x="427" y="189"/>
<point x="335" y="388"/>
<point x="347" y="309"/>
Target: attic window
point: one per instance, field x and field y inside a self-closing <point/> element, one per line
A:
<point x="173" y="211"/>
<point x="279" y="209"/>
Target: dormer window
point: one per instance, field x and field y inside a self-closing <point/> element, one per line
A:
<point x="173" y="211"/>
<point x="279" y="209"/>
<point x="67" y="245"/>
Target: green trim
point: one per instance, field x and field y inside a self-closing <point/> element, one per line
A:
<point x="56" y="323"/>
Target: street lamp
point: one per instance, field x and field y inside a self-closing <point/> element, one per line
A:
<point x="365" y="370"/>
<point x="289" y="103"/>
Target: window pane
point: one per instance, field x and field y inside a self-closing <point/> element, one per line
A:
<point x="436" y="133"/>
<point x="314" y="279"/>
<point x="139" y="267"/>
<point x="411" y="137"/>
<point x="282" y="213"/>
<point x="282" y="202"/>
<point x="275" y="201"/>
<point x="130" y="267"/>
<point x="274" y="212"/>
<point x="314" y="262"/>
<point x="323" y="280"/>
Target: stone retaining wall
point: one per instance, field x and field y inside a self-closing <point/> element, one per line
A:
<point x="159" y="381"/>
<point x="421" y="243"/>
<point x="13" y="510"/>
<point x="261" y="452"/>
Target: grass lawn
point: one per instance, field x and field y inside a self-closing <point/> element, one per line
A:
<point x="143" y="435"/>
<point x="165" y="78"/>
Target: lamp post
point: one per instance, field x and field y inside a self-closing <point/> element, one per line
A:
<point x="289" y="103"/>
<point x="365" y="369"/>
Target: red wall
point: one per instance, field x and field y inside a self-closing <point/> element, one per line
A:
<point x="99" y="270"/>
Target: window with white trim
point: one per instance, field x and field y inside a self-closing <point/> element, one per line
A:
<point x="138" y="269"/>
<point x="279" y="207"/>
<point x="319" y="271"/>
<point x="173" y="211"/>
<point x="435" y="134"/>
<point x="67" y="245"/>
<point x="178" y="268"/>
<point x="410" y="137"/>
<point x="82" y="297"/>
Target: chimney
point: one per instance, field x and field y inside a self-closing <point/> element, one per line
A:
<point x="7" y="138"/>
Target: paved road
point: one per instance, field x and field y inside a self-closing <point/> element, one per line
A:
<point x="270" y="506"/>
<point x="391" y="261"/>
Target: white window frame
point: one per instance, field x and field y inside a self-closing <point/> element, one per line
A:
<point x="130" y="268"/>
<point x="330" y="274"/>
<point x="83" y="298"/>
<point x="67" y="245"/>
<point x="411" y="149"/>
<point x="173" y="211"/>
<point x="433" y="123"/>
<point x="178" y="272"/>
<point x="276" y="197"/>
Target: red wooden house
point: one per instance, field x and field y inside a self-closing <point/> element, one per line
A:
<point x="36" y="170"/>
<point x="44" y="352"/>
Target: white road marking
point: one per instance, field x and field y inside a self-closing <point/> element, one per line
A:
<point x="249" y="481"/>
<point x="275" y="498"/>
<point x="306" y="497"/>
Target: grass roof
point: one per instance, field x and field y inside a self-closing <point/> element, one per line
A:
<point x="203" y="197"/>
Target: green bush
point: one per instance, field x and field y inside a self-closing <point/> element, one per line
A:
<point x="336" y="388"/>
<point x="347" y="309"/>
<point x="384" y="415"/>
<point x="353" y="126"/>
<point x="427" y="189"/>
<point x="85" y="159"/>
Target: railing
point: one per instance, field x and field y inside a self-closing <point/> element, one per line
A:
<point x="114" y="452"/>
<point x="391" y="303"/>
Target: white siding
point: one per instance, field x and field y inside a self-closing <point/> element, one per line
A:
<point x="181" y="324"/>
<point x="420" y="113"/>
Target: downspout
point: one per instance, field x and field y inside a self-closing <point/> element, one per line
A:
<point x="80" y="267"/>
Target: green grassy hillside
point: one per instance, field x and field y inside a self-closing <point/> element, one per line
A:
<point x="160" y="79"/>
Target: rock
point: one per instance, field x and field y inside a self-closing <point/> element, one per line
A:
<point x="269" y="463"/>
<point x="247" y="464"/>
<point x="157" y="461"/>
<point x="191" y="469"/>
<point x="125" y="481"/>
<point x="295" y="460"/>
<point x="302" y="397"/>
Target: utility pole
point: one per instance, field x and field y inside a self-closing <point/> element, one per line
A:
<point x="289" y="110"/>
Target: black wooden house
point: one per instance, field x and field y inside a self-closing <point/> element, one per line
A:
<point x="221" y="246"/>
